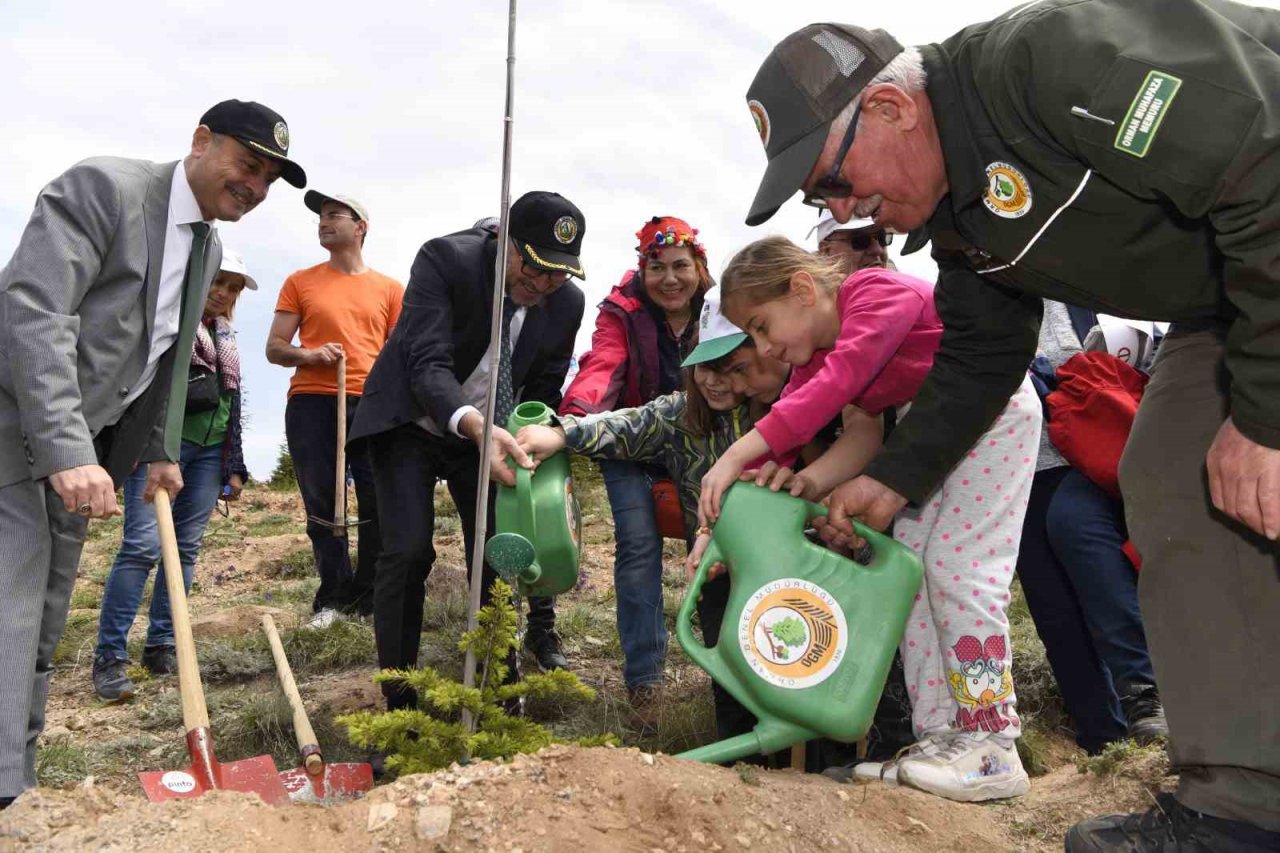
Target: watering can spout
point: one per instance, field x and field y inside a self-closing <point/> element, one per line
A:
<point x="513" y="557"/>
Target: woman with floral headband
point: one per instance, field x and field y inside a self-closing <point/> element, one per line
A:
<point x="645" y="328"/>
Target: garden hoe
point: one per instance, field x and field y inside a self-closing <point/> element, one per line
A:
<point x="340" y="522"/>
<point x="206" y="773"/>
<point x="317" y="781"/>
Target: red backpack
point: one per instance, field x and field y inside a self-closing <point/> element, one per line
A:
<point x="1091" y="413"/>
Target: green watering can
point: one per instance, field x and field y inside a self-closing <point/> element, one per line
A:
<point x="539" y="522"/>
<point x="808" y="635"/>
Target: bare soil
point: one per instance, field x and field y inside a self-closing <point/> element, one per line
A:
<point x="566" y="798"/>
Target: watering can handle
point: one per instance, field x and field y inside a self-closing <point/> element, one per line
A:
<point x="701" y="655"/>
<point x="877" y="543"/>
<point x="524" y="501"/>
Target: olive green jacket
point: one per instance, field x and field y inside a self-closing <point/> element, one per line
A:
<point x="1120" y="155"/>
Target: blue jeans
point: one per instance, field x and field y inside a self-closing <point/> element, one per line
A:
<point x="637" y="572"/>
<point x="140" y="550"/>
<point x="1082" y="592"/>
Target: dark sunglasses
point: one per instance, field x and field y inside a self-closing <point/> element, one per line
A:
<point x="860" y="241"/>
<point x="834" y="186"/>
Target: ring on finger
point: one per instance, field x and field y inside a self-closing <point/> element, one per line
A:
<point x="84" y="508"/>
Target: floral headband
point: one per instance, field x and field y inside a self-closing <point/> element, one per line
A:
<point x="661" y="232"/>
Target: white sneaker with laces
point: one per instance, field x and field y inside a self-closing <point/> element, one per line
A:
<point x="887" y="771"/>
<point x="970" y="767"/>
<point x="323" y="619"/>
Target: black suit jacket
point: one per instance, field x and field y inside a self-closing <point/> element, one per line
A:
<point x="443" y="332"/>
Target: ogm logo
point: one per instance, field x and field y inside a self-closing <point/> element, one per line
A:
<point x="793" y="633"/>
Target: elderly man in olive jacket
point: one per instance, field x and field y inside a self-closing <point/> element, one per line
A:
<point x="1121" y="155"/>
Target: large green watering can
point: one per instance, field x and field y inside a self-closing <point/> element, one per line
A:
<point x="539" y="522"/>
<point x="808" y="635"/>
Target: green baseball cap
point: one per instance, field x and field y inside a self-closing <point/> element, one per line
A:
<point x="804" y="83"/>
<point x="717" y="337"/>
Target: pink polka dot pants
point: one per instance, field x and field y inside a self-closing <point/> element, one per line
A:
<point x="955" y="649"/>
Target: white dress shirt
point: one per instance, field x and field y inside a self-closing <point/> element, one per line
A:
<point x="183" y="211"/>
<point x="476" y="389"/>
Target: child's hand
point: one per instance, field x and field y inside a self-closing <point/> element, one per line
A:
<point x="692" y="561"/>
<point x="715" y="483"/>
<point x="540" y="441"/>
<point x="778" y="478"/>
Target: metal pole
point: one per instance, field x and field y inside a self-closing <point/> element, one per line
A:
<point x="495" y="332"/>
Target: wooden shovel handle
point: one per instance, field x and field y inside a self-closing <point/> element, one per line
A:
<point x="306" y="736"/>
<point x="194" y="713"/>
<point x="340" y="485"/>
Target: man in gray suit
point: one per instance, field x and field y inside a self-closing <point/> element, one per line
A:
<point x="98" y="309"/>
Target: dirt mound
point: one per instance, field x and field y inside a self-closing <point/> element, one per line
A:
<point x="562" y="798"/>
<point x="239" y="621"/>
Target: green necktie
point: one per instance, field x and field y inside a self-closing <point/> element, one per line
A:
<point x="192" y="307"/>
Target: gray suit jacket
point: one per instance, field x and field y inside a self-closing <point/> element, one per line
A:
<point x="77" y="305"/>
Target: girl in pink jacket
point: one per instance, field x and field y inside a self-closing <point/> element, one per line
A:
<point x="869" y="341"/>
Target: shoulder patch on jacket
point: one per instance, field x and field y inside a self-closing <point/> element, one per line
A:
<point x="1146" y="112"/>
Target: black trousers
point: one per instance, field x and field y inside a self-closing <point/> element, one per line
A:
<point x="311" y="428"/>
<point x="407" y="462"/>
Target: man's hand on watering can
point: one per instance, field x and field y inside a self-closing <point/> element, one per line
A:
<point x="865" y="499"/>
<point x="540" y="441"/>
<point x="502" y="445"/>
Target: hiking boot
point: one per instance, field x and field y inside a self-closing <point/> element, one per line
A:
<point x="545" y="648"/>
<point x="968" y="767"/>
<point x="646" y="702"/>
<point x="1168" y="827"/>
<point x="161" y="660"/>
<point x="1144" y="714"/>
<point x="110" y="680"/>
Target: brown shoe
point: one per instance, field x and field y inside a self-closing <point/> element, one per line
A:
<point x="647" y="705"/>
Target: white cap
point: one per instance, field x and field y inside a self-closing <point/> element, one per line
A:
<point x="232" y="262"/>
<point x="315" y="200"/>
<point x="827" y="225"/>
<point x="717" y="337"/>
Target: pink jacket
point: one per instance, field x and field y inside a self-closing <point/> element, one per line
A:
<point x="889" y="331"/>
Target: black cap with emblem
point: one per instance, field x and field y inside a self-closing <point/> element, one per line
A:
<point x="260" y="129"/>
<point x="547" y="229"/>
<point x="802" y="86"/>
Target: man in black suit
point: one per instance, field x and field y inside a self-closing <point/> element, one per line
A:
<point x="424" y="405"/>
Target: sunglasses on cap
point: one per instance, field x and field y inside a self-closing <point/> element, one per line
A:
<point x="860" y="241"/>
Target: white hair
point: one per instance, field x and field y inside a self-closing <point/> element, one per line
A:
<point x="906" y="71"/>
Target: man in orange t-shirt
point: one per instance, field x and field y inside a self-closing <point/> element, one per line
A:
<point x="340" y="307"/>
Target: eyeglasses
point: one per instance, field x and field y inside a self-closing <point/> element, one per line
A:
<point x="555" y="278"/>
<point x="860" y="241"/>
<point x="834" y="186"/>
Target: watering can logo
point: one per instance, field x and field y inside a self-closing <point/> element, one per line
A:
<point x="793" y="633"/>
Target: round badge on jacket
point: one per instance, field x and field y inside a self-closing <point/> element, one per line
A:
<point x="1008" y="193"/>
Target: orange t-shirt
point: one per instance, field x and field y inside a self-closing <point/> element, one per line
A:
<point x="357" y="311"/>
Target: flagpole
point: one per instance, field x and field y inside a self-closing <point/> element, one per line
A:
<point x="495" y="332"/>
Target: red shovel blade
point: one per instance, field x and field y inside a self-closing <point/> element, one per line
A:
<point x="337" y="782"/>
<point x="251" y="775"/>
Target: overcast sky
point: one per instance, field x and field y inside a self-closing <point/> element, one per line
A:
<point x="629" y="109"/>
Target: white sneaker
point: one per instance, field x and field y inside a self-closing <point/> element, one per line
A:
<point x="970" y="767"/>
<point x="887" y="771"/>
<point x="323" y="619"/>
